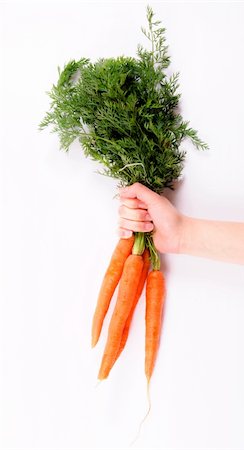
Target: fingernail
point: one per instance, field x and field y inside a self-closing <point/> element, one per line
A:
<point x="126" y="234"/>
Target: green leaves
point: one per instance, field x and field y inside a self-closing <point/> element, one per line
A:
<point x="124" y="111"/>
<point x="156" y="35"/>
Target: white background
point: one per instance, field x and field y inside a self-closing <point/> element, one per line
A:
<point x="59" y="230"/>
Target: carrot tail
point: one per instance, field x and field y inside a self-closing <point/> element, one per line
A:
<point x="127" y="290"/>
<point x="146" y="266"/>
<point x="155" y="296"/>
<point x="110" y="281"/>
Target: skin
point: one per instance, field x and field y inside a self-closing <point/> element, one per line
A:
<point x="173" y="232"/>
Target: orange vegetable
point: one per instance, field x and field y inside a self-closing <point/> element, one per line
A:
<point x="127" y="290"/>
<point x="146" y="266"/>
<point x="110" y="281"/>
<point x="155" y="295"/>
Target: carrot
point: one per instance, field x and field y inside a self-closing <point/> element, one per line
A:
<point x="127" y="290"/>
<point x="146" y="265"/>
<point x="110" y="281"/>
<point x="155" y="295"/>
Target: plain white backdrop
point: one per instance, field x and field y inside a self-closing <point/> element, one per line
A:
<point x="59" y="221"/>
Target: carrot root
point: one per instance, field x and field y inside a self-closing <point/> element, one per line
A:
<point x="155" y="296"/>
<point x="110" y="281"/>
<point x="127" y="290"/>
<point x="146" y="415"/>
<point x="144" y="273"/>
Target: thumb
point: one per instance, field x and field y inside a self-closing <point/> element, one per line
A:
<point x="138" y="190"/>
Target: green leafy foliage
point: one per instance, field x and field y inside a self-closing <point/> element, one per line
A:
<point x="124" y="112"/>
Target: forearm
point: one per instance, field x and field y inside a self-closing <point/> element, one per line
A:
<point x="222" y="241"/>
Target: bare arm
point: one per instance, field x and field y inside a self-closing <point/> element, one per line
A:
<point x="143" y="210"/>
<point x="222" y="241"/>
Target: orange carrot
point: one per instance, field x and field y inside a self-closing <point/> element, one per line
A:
<point x="127" y="290"/>
<point x="146" y="266"/>
<point x="110" y="281"/>
<point x="155" y="295"/>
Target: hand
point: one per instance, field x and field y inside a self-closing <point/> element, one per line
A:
<point x="143" y="210"/>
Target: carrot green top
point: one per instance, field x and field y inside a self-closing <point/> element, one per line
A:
<point x="124" y="112"/>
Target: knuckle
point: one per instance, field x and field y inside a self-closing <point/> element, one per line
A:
<point x="132" y="203"/>
<point x="137" y="184"/>
<point x="128" y="203"/>
<point x="120" y="210"/>
<point x="135" y="225"/>
<point x="147" y="226"/>
<point x="124" y="223"/>
<point x="140" y="226"/>
<point x="142" y="215"/>
<point x="120" y="231"/>
<point x="120" y="222"/>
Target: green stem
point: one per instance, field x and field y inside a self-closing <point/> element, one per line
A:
<point x="143" y="240"/>
<point x="152" y="38"/>
<point x="154" y="255"/>
<point x="139" y="244"/>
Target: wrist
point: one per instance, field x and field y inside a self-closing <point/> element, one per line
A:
<point x="186" y="232"/>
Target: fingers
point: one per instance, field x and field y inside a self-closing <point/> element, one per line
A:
<point x="132" y="203"/>
<point x="135" y="226"/>
<point x="139" y="215"/>
<point x="122" y="232"/>
<point x="140" y="192"/>
<point x="133" y="220"/>
<point x="133" y="211"/>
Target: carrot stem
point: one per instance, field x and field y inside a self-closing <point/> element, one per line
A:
<point x="154" y="255"/>
<point x="139" y="244"/>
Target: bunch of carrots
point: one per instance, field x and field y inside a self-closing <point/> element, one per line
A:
<point x="124" y="113"/>
<point x="130" y="268"/>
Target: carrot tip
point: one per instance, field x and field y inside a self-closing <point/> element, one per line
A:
<point x="94" y="341"/>
<point x="101" y="378"/>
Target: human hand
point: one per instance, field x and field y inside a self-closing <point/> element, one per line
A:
<point x="143" y="210"/>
